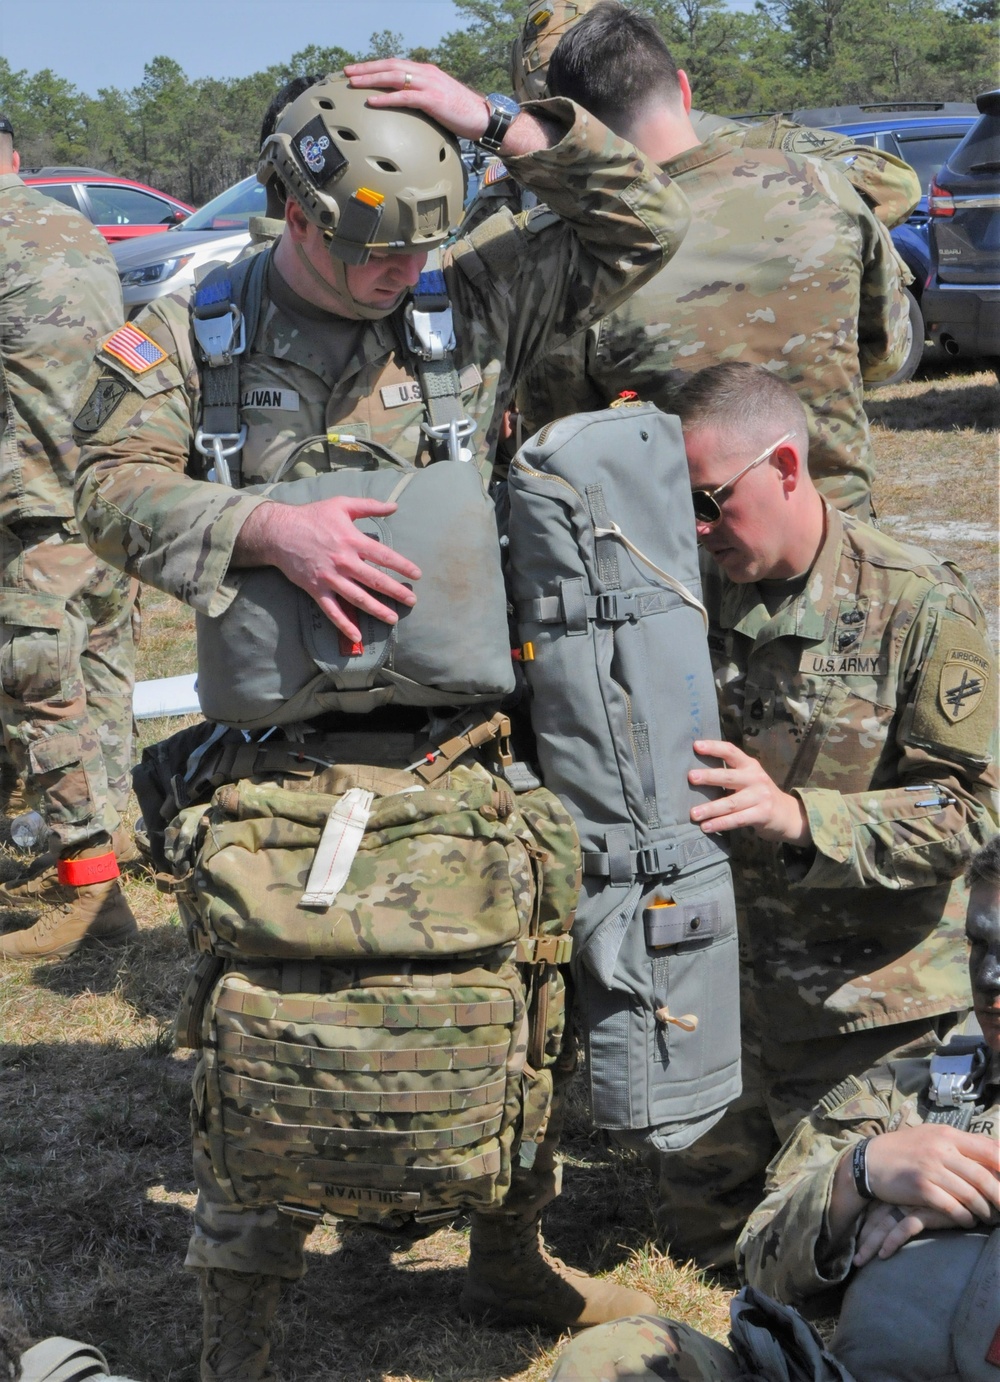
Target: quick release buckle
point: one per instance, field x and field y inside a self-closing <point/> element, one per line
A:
<point x="452" y="434"/>
<point x="952" y="1079"/>
<point x="220" y="337"/>
<point x="431" y="335"/>
<point x="218" y="447"/>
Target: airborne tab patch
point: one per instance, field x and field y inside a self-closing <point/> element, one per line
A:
<point x="962" y="683"/>
<point x="137" y="351"/>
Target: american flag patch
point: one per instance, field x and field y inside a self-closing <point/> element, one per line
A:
<point x="137" y="351"/>
<point x="495" y="172"/>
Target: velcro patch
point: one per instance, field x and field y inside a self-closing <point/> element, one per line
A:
<point x="962" y="683"/>
<point x="321" y="159"/>
<point x="287" y="400"/>
<point x="858" y="664"/>
<point x="137" y="351"/>
<point x="105" y="396"/>
<point x="956" y="702"/>
<point x="495" y="172"/>
<point x="395" y="395"/>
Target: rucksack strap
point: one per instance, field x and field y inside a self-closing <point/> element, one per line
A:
<point x="430" y="336"/>
<point x="62" y="1360"/>
<point x="224" y="316"/>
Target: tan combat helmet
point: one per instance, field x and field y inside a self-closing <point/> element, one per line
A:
<point x="544" y="26"/>
<point x="371" y="179"/>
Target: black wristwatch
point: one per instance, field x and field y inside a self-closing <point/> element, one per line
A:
<point x="504" y="110"/>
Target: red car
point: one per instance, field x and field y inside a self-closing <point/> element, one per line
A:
<point x="119" y="208"/>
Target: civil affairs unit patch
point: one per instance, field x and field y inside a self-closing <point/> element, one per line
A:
<point x="137" y="351"/>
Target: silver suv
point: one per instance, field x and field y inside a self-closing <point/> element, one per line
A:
<point x="159" y="264"/>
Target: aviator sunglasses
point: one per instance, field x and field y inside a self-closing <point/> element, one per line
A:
<point x="707" y="506"/>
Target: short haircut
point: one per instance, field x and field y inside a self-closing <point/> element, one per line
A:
<point x="614" y="63"/>
<point x="741" y="397"/>
<point x="984" y="867"/>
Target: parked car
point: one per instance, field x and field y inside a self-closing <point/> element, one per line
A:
<point x="120" y="208"/>
<point x="923" y="134"/>
<point x="166" y="263"/>
<point x="962" y="298"/>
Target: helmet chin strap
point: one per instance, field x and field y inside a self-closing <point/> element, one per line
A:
<point x="350" y="306"/>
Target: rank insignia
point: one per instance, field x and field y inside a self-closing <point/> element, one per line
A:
<point x="104" y="399"/>
<point x="962" y="683"/>
<point x="137" y="351"/>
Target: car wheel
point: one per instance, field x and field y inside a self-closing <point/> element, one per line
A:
<point x="909" y="366"/>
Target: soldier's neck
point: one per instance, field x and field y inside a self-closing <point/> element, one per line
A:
<point x="662" y="133"/>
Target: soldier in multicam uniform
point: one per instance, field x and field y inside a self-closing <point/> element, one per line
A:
<point x="784" y="266"/>
<point x="858" y="701"/>
<point x="890" y="187"/>
<point x="905" y="1157"/>
<point x="329" y="358"/>
<point x="892" y="1157"/>
<point x="66" y="649"/>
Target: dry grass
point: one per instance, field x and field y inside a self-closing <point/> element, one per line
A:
<point x="97" y="1188"/>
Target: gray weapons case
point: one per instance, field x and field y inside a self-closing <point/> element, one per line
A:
<point x="621" y="684"/>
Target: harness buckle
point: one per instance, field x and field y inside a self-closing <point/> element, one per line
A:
<point x="216" y="336"/>
<point x="452" y="434"/>
<point x="431" y="335"/>
<point x="218" y="447"/>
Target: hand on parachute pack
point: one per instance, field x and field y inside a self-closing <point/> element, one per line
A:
<point x="750" y="797"/>
<point x="318" y="548"/>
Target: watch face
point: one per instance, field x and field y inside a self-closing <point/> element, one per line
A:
<point x="505" y="103"/>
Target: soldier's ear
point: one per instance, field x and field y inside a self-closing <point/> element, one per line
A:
<point x="15" y="161"/>
<point x="790" y="464"/>
<point x="685" y="89"/>
<point x="296" y="220"/>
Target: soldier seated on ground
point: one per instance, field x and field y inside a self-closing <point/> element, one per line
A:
<point x="891" y="1184"/>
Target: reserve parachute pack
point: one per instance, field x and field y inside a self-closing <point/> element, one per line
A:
<point x="604" y="579"/>
<point x="379" y="999"/>
<point x="273" y="657"/>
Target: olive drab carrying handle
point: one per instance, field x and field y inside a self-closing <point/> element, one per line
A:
<point x="604" y="578"/>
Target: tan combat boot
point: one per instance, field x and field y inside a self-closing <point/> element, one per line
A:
<point x="513" y="1280"/>
<point x="238" y="1311"/>
<point x="38" y="884"/>
<point x="84" y="903"/>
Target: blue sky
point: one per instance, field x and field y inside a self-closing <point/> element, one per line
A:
<point x="95" y="43"/>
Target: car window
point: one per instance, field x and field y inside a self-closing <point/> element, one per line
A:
<point x="62" y="191"/>
<point x="926" y="153"/>
<point x="232" y="209"/>
<point x="125" y="206"/>
<point x="980" y="147"/>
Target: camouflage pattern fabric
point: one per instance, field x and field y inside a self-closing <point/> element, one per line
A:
<point x="616" y="224"/>
<point x="645" y="1349"/>
<point x="707" y="1193"/>
<point x="784" y="1248"/>
<point x="783" y="266"/>
<point x="874" y="680"/>
<point x="67" y="668"/>
<point x="400" y="1077"/>
<point x="66" y="650"/>
<point x="889" y="186"/>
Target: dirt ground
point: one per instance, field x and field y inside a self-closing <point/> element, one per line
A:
<point x="97" y="1187"/>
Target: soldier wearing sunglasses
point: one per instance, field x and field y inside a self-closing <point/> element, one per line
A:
<point x="858" y="702"/>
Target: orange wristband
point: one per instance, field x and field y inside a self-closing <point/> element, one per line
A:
<point x="79" y="872"/>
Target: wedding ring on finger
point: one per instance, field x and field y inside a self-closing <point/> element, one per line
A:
<point x="408" y="80"/>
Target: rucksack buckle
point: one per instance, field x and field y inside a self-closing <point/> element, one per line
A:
<point x="218" y="447"/>
<point x="952" y="1078"/>
<point x="220" y="337"/>
<point x="615" y="607"/>
<point x="450" y="435"/>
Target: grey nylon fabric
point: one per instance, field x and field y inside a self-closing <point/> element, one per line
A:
<point x="273" y="657"/>
<point x="775" y="1344"/>
<point x="621" y="685"/>
<point x="929" y="1313"/>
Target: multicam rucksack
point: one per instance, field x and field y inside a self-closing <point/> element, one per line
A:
<point x="381" y="1026"/>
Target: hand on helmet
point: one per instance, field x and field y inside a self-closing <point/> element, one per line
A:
<point x="319" y="548"/>
<point x="400" y="82"/>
